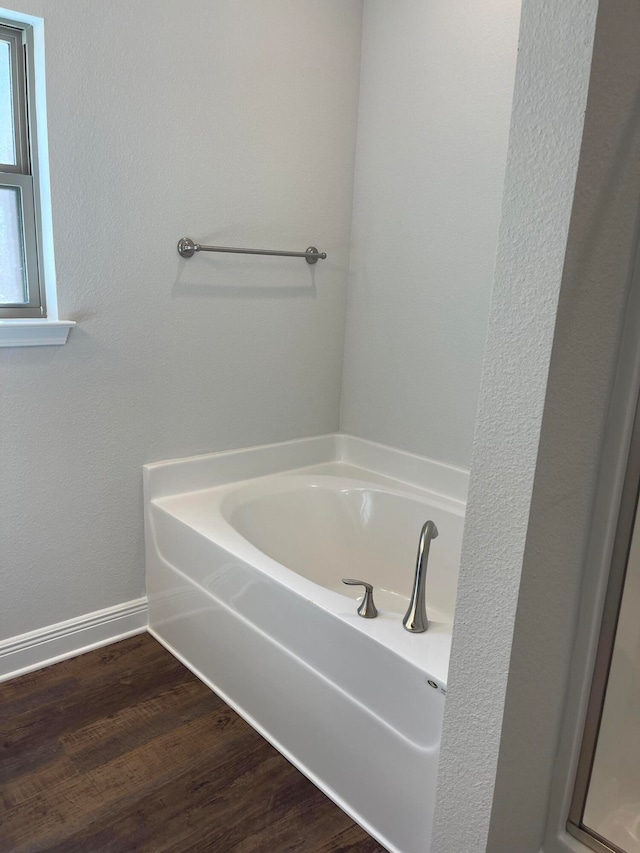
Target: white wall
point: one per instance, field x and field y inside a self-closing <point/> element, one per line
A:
<point x="233" y="122"/>
<point x="433" y="123"/>
<point x="567" y="240"/>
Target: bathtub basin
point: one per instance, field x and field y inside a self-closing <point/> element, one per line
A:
<point x="245" y="556"/>
<point x="328" y="526"/>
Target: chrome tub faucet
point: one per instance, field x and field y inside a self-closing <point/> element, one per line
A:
<point x="415" y="619"/>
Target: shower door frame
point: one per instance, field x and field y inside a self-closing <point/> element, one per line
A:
<point x="629" y="505"/>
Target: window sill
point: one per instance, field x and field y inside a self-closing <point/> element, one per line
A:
<point x="34" y="333"/>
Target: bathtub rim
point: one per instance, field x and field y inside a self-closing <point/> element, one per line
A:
<point x="206" y="470"/>
<point x="429" y="651"/>
<point x="211" y="513"/>
<point x="180" y="476"/>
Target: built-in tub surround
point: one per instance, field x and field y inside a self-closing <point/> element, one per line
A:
<point x="246" y="551"/>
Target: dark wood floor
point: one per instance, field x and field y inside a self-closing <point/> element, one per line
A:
<point x="122" y="749"/>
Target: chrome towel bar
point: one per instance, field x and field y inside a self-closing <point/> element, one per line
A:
<point x="186" y="248"/>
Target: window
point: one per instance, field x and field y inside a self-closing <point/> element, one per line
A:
<point x="21" y="288"/>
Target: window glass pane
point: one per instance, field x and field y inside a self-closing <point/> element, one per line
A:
<point x="7" y="129"/>
<point x="13" y="280"/>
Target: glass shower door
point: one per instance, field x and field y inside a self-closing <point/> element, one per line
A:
<point x="605" y="814"/>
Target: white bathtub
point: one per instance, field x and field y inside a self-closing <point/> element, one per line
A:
<point x="245" y="555"/>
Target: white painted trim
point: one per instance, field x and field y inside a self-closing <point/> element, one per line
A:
<point x="45" y="646"/>
<point x="34" y="333"/>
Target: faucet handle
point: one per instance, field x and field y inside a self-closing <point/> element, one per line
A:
<point x="367" y="608"/>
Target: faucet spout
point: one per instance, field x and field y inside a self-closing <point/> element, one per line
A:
<point x="415" y="619"/>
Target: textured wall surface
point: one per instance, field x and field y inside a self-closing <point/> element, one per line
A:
<point x="600" y="255"/>
<point x="233" y="122"/>
<point x="549" y="101"/>
<point x="436" y="91"/>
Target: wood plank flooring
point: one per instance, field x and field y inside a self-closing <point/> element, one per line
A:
<point x="123" y="749"/>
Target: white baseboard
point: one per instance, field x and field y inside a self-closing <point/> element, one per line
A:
<point x="26" y="652"/>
